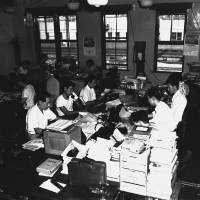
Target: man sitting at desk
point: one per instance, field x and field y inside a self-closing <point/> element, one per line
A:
<point x="161" y="117"/>
<point x="38" y="116"/>
<point x="66" y="100"/>
<point x="88" y="95"/>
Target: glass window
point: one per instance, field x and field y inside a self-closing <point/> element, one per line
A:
<point x="68" y="32"/>
<point x="66" y="29"/>
<point x="170" y="41"/>
<point x="116" y="48"/>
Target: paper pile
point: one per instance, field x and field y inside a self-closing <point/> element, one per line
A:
<point x="134" y="166"/>
<point x="33" y="145"/>
<point x="162" y="166"/>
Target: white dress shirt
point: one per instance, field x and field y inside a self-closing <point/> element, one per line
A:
<point x="67" y="103"/>
<point x="87" y="94"/>
<point x="178" y="105"/>
<point x="35" y="118"/>
<point x="162" y="118"/>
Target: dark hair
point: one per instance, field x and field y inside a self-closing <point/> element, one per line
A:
<point x="90" y="79"/>
<point x="22" y="78"/>
<point x="154" y="92"/>
<point x="26" y="63"/>
<point x="89" y="62"/>
<point x="66" y="84"/>
<point x="41" y="96"/>
<point x="174" y="79"/>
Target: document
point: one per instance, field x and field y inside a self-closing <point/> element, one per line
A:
<point x="48" y="185"/>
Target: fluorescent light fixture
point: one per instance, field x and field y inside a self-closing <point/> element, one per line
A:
<point x="146" y="3"/>
<point x="97" y="3"/>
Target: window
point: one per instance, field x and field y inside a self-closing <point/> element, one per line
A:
<point x="116" y="41"/>
<point x="170" y="41"/>
<point x="58" y="37"/>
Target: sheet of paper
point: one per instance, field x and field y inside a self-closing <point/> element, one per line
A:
<point x="48" y="185"/>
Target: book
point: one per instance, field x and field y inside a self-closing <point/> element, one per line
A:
<point x="49" y="166"/>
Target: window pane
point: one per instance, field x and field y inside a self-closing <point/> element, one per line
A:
<point x="50" y="28"/>
<point x="116" y="41"/>
<point x="170" y="58"/>
<point x="170" y="26"/>
<point x="178" y="22"/>
<point x="68" y="27"/>
<point x="122" y="25"/>
<point x="69" y="49"/>
<point x="110" y="24"/>
<point x="42" y="29"/>
<point x="164" y="27"/>
<point x="50" y="50"/>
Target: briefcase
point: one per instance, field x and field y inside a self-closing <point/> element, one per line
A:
<point x="87" y="172"/>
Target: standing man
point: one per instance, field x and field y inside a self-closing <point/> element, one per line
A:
<point x="179" y="100"/>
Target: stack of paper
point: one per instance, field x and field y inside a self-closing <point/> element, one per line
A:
<point x="163" y="165"/>
<point x="33" y="145"/>
<point x="113" y="171"/>
<point x="134" y="166"/>
<point x="60" y="124"/>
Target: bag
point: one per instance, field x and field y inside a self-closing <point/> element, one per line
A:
<point x="87" y="172"/>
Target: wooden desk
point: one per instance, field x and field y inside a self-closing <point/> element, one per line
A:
<point x="19" y="178"/>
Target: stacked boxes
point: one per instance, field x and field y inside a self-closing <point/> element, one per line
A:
<point x="134" y="166"/>
<point x="163" y="165"/>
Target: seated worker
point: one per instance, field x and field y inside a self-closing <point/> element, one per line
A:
<point x="161" y="116"/>
<point x="65" y="102"/>
<point x="88" y="94"/>
<point x="28" y="92"/>
<point x="179" y="100"/>
<point x="52" y="84"/>
<point x="38" y="116"/>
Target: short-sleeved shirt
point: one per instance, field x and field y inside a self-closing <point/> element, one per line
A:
<point x="35" y="118"/>
<point x="87" y="94"/>
<point x="29" y="93"/>
<point x="67" y="103"/>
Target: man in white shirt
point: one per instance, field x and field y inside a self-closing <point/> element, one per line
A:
<point x="38" y="116"/>
<point x="87" y="94"/>
<point x="28" y="92"/>
<point x="162" y="115"/>
<point x="65" y="102"/>
<point x="52" y="84"/>
<point x="179" y="100"/>
<point x="89" y="99"/>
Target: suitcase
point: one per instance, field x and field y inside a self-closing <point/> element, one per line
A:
<point x="87" y="172"/>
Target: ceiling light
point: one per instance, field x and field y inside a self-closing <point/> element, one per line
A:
<point x="98" y="3"/>
<point x="146" y="3"/>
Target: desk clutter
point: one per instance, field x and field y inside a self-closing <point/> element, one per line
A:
<point x="144" y="163"/>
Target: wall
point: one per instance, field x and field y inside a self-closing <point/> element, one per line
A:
<point x="141" y="28"/>
<point x="89" y="24"/>
<point x="6" y="46"/>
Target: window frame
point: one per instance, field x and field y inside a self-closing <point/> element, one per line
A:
<point x="157" y="42"/>
<point x="55" y="13"/>
<point x="108" y="39"/>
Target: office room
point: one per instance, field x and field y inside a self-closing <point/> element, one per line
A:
<point x="99" y="99"/>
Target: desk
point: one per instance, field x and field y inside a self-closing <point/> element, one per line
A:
<point x="21" y="179"/>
